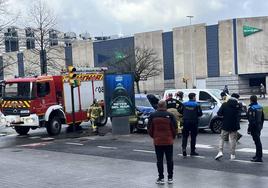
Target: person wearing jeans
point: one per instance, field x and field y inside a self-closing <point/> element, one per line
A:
<point x="230" y="112"/>
<point x="255" y="119"/>
<point x="162" y="128"/>
<point x="191" y="112"/>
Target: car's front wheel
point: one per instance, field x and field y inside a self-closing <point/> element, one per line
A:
<point x="216" y="126"/>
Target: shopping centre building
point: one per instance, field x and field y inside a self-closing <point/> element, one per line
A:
<point x="233" y="52"/>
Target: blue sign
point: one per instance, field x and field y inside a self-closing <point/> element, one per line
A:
<point x="119" y="94"/>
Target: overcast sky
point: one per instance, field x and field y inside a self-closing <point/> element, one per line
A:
<point x="127" y="17"/>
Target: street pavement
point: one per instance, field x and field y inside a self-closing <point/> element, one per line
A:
<point x="85" y="160"/>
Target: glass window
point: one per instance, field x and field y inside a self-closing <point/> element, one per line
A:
<point x="53" y="38"/>
<point x="142" y="102"/>
<point x="20" y="90"/>
<point x="30" y="40"/>
<point x="11" y="40"/>
<point x="206" y="105"/>
<point x="43" y="89"/>
<point x="204" y="96"/>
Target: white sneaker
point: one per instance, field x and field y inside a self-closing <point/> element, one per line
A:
<point x="232" y="157"/>
<point x="170" y="181"/>
<point x="220" y="154"/>
<point x="160" y="181"/>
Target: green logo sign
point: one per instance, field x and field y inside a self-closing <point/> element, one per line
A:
<point x="247" y="30"/>
<point x="119" y="56"/>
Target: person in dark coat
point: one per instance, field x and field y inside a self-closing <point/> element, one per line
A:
<point x="162" y="128"/>
<point x="191" y="113"/>
<point x="255" y="119"/>
<point x="230" y="111"/>
<point x="225" y="89"/>
<point x="237" y="96"/>
<point x="262" y="90"/>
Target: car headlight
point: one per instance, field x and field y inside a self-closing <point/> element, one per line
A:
<point x="3" y="120"/>
<point x="29" y="120"/>
<point x="25" y="111"/>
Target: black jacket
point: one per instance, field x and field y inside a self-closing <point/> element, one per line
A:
<point x="230" y="111"/>
<point x="255" y="117"/>
<point x="174" y="103"/>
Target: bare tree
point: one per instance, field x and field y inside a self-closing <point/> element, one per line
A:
<point x="144" y="63"/>
<point x="6" y="17"/>
<point x="43" y="21"/>
<point x="6" y="20"/>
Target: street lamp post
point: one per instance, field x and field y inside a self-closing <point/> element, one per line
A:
<point x="191" y="57"/>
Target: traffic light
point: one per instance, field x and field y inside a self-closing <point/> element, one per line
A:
<point x="71" y="72"/>
<point x="72" y="76"/>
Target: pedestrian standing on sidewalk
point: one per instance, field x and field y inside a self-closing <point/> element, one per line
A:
<point x="225" y="89"/>
<point x="262" y="90"/>
<point x="162" y="128"/>
<point x="230" y="111"/>
<point x="255" y="119"/>
<point x="191" y="113"/>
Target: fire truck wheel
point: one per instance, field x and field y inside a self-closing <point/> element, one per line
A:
<point x="22" y="130"/>
<point x="54" y="126"/>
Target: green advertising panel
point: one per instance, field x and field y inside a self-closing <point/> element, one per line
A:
<point x="119" y="95"/>
<point x="247" y="30"/>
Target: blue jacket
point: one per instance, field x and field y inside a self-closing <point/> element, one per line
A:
<point x="255" y="117"/>
<point x="191" y="111"/>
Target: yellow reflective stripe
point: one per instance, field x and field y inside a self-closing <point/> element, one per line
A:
<point x="27" y="104"/>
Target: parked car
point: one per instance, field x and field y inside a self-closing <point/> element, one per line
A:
<point x="211" y="95"/>
<point x="143" y="111"/>
<point x="210" y="119"/>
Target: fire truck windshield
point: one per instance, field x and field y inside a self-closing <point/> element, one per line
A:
<point x="18" y="90"/>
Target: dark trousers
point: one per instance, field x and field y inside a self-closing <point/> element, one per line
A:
<point x="168" y="151"/>
<point x="187" y="128"/>
<point x="256" y="137"/>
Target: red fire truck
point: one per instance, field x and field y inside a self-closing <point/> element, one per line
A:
<point x="45" y="101"/>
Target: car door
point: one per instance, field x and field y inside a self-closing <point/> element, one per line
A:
<point x="43" y="92"/>
<point x="207" y="109"/>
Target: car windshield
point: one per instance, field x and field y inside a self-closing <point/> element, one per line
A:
<point x="216" y="93"/>
<point x="142" y="102"/>
<point x="20" y="90"/>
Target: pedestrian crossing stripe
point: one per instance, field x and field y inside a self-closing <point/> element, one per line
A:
<point x="204" y="146"/>
<point x="251" y="150"/>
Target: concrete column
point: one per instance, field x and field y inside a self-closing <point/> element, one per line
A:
<point x="68" y="56"/>
<point x="266" y="83"/>
<point x="120" y="125"/>
<point x="1" y="68"/>
<point x="20" y="64"/>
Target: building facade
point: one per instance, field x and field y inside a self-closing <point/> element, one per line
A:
<point x="233" y="52"/>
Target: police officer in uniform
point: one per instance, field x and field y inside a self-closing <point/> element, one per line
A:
<point x="255" y="119"/>
<point x="191" y="112"/>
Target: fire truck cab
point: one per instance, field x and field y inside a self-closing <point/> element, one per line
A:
<point x="45" y="101"/>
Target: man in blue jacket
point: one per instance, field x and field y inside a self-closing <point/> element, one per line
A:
<point x="191" y="112"/>
<point x="255" y="119"/>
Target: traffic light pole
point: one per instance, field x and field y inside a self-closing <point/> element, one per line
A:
<point x="72" y="98"/>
